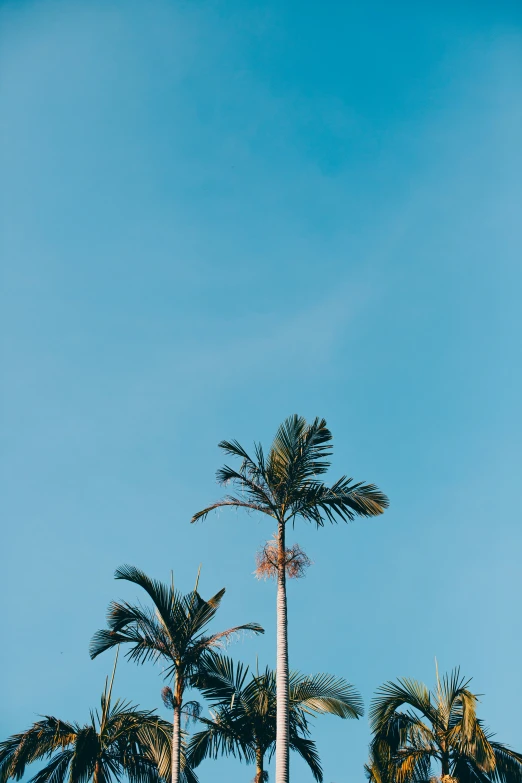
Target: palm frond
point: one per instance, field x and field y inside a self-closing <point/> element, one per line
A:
<point x="286" y="484"/>
<point x="472" y="742"/>
<point x="508" y="768"/>
<point x="324" y="693"/>
<point x="41" y="740"/>
<point x="218" y="639"/>
<point x="162" y="595"/>
<point x="222" y="736"/>
<point x="344" y="500"/>
<point x="455" y="702"/>
<point x="230" y="500"/>
<point x="308" y="751"/>
<point x="198" y="613"/>
<point x="143" y="648"/>
<point x="380" y="768"/>
<point x="219" y="679"/>
<point x="86" y="753"/>
<point x="56" y="771"/>
<point x="412" y="765"/>
<point x="249" y="480"/>
<point x="155" y="740"/>
<point x="456" y="737"/>
<point x="391" y="696"/>
<point x="465" y="771"/>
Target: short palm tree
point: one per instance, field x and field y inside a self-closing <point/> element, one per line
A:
<point x="421" y="736"/>
<point x="243" y="713"/>
<point x="174" y="630"/>
<point x="120" y="741"/>
<point x="286" y="485"/>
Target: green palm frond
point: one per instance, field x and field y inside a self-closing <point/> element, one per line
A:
<point x="467" y="772"/>
<point x="225" y="735"/>
<point x="391" y="696"/>
<point x="471" y="741"/>
<point x="251" y="480"/>
<point x="57" y="770"/>
<point x="308" y="751"/>
<point x="441" y="729"/>
<point x="380" y="768"/>
<point x="344" y="500"/>
<point x="174" y="630"/>
<point x="286" y="484"/>
<point x="42" y="739"/>
<point x="121" y="740"/>
<point x="87" y="752"/>
<point x="324" y="693"/>
<point x="219" y="679"/>
<point x="456" y="703"/>
<point x="231" y="500"/>
<point x="298" y="453"/>
<point x="244" y="711"/>
<point x="508" y="767"/>
<point x="160" y="594"/>
<point x="412" y="764"/>
<point x="156" y="736"/>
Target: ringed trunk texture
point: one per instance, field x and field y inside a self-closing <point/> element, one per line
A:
<point x="176" y="735"/>
<point x="282" y="749"/>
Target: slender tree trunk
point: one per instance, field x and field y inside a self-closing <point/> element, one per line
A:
<point x="259" y="765"/>
<point x="176" y="731"/>
<point x="445" y="763"/>
<point x="282" y="766"/>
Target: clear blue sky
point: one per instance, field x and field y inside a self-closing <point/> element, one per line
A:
<point x="215" y="214"/>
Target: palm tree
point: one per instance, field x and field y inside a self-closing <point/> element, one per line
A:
<point x="175" y="630"/>
<point x="244" y="713"/>
<point x="119" y="741"/>
<point x="416" y="730"/>
<point x="286" y="485"/>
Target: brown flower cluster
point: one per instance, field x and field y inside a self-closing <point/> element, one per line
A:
<point x="296" y="561"/>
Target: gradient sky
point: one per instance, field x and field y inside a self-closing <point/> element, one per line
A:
<point x="215" y="214"/>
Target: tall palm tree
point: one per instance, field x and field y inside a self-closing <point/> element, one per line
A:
<point x="120" y="741"/>
<point x="174" y="630"/>
<point x="421" y="736"/>
<point x="286" y="485"/>
<point x="244" y="713"/>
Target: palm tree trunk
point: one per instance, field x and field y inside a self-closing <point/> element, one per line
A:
<point x="445" y="763"/>
<point x="259" y="765"/>
<point x="176" y="732"/>
<point x="282" y="750"/>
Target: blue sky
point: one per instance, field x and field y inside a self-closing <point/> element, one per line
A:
<point x="215" y="214"/>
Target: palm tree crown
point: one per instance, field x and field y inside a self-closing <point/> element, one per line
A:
<point x="175" y="630"/>
<point x="285" y="485"/>
<point x="418" y="732"/>
<point x="120" y="741"/>
<point x="243" y="712"/>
